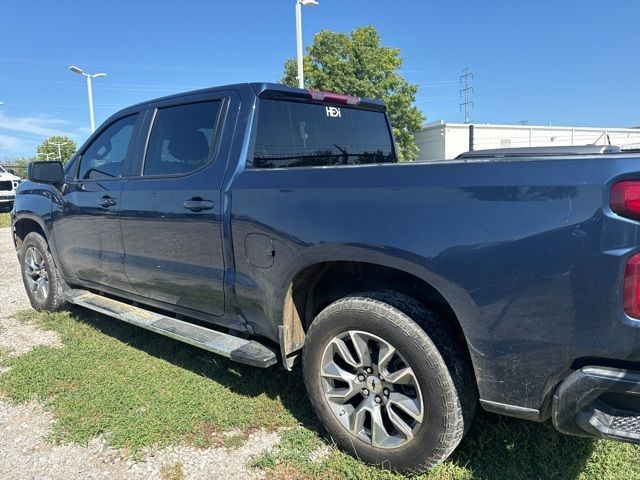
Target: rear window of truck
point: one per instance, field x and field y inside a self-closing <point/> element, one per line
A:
<point x="296" y="134"/>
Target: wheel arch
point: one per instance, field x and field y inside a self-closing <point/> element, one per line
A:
<point x="317" y="284"/>
<point x="24" y="225"/>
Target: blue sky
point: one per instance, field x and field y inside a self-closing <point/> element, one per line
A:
<point x="562" y="62"/>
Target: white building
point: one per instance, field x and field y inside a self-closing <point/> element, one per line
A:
<point x="443" y="141"/>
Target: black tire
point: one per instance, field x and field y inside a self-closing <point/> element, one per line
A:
<point x="54" y="299"/>
<point x="427" y="345"/>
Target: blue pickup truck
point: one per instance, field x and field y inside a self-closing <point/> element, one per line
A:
<point x="259" y="222"/>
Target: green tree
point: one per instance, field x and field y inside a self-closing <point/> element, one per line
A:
<point x="56" y="147"/>
<point x="358" y="64"/>
<point x="20" y="166"/>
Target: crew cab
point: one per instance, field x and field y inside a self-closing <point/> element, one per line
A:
<point x="259" y="222"/>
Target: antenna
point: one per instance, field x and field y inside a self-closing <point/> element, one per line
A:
<point x="465" y="92"/>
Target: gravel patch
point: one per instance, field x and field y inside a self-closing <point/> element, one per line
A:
<point x="25" y="452"/>
<point x="13" y="298"/>
<point x="204" y="464"/>
<point x="16" y="338"/>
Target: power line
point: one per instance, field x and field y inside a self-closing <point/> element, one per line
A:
<point x="465" y="92"/>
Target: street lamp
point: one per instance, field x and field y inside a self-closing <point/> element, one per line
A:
<point x="45" y="154"/>
<point x="299" y="5"/>
<point x="59" y="145"/>
<point x="78" y="70"/>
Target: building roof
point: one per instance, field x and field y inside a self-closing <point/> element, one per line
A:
<point x="442" y="123"/>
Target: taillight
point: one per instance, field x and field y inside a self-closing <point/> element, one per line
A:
<point x="625" y="199"/>
<point x="631" y="296"/>
<point x="329" y="97"/>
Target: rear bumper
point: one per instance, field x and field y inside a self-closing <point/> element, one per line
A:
<point x="599" y="402"/>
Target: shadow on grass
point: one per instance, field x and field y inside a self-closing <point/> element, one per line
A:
<point x="495" y="447"/>
<point x="499" y="447"/>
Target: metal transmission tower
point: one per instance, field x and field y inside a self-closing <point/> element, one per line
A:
<point x="465" y="92"/>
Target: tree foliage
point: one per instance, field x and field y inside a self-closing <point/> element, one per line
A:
<point x="48" y="149"/>
<point x="358" y="64"/>
<point x="20" y="165"/>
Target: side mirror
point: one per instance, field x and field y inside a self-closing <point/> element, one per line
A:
<point x="11" y="171"/>
<point x="46" y="172"/>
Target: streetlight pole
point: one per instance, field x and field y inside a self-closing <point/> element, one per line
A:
<point x="45" y="154"/>
<point x="90" y="95"/>
<point x="59" y="145"/>
<point x="89" y="77"/>
<point x="299" y="5"/>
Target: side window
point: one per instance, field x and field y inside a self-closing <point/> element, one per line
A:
<point x="181" y="138"/>
<point x="106" y="156"/>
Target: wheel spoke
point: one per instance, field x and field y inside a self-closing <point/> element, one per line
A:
<point x="342" y="394"/>
<point x="404" y="376"/>
<point x="37" y="257"/>
<point x="341" y="349"/>
<point x="357" y="418"/>
<point x="331" y="370"/>
<point x="386" y="354"/>
<point x="400" y="424"/>
<point x="410" y="406"/>
<point x="30" y="262"/>
<point x="42" y="289"/>
<point x="362" y="348"/>
<point x="379" y="434"/>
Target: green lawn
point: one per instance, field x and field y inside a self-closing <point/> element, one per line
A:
<point x="5" y="220"/>
<point x="140" y="389"/>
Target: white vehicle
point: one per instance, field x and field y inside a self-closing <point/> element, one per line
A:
<point x="8" y="184"/>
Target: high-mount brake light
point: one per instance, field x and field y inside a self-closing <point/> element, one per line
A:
<point x="337" y="98"/>
<point x="625" y="199"/>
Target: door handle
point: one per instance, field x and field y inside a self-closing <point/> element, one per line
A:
<point x="197" y="204"/>
<point x="107" y="201"/>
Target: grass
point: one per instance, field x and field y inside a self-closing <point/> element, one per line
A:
<point x="494" y="449"/>
<point x="5" y="220"/>
<point x="172" y="472"/>
<point x="139" y="389"/>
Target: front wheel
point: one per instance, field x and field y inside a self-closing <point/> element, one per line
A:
<point x="39" y="274"/>
<point x="388" y="381"/>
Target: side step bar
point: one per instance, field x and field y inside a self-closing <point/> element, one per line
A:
<point x="249" y="352"/>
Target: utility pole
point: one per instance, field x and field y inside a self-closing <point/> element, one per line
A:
<point x="465" y="92"/>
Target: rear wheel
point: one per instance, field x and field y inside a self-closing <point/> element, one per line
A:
<point x="388" y="380"/>
<point x="39" y="274"/>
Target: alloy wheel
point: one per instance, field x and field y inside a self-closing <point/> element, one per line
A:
<point x="37" y="276"/>
<point x="371" y="389"/>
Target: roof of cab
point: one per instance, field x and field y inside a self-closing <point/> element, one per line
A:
<point x="273" y="90"/>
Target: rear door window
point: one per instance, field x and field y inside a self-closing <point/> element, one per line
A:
<point x="181" y="138"/>
<point x="296" y="134"/>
